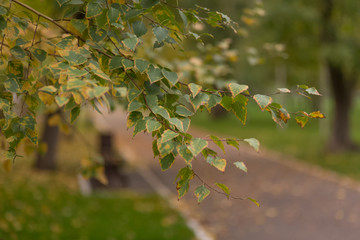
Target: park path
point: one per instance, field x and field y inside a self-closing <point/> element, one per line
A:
<point x="298" y="202"/>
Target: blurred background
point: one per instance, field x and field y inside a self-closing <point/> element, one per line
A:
<point x="280" y="44"/>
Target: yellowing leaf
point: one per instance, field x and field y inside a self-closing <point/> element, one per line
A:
<point x="224" y="188"/>
<point x="217" y="162"/>
<point x="253" y="142"/>
<point x="254" y="201"/>
<point x="46" y="98"/>
<point x="236" y="89"/>
<point x="262" y="100"/>
<point x="197" y="145"/>
<point x="302" y="120"/>
<point x="195" y="89"/>
<point x="201" y="193"/>
<point x="241" y="166"/>
<point x="317" y="114"/>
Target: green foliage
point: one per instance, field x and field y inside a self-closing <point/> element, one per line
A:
<point x="97" y="61"/>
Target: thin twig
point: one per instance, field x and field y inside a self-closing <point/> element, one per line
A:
<point x="217" y="191"/>
<point x="3" y="37"/>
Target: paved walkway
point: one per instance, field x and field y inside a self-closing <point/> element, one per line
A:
<point x="297" y="202"/>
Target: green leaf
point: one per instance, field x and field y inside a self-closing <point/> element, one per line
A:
<point x="127" y="63"/>
<point x="102" y="20"/>
<point x="97" y="35"/>
<point x="284" y="90"/>
<point x="152" y="101"/>
<point x="133" y="93"/>
<point x="75" y="84"/>
<point x="152" y="125"/>
<point x="100" y="91"/>
<point x="185" y="174"/>
<point x="197" y="145"/>
<point x="166" y="148"/>
<point x="239" y="108"/>
<point x="183" y="17"/>
<point x="149" y="3"/>
<point x="140" y="126"/>
<point x="159" y="110"/>
<point x="116" y="62"/>
<point x="134" y="105"/>
<point x="214" y="100"/>
<point x="199" y="100"/>
<point x="74" y="58"/>
<point x="224" y="188"/>
<point x="236" y="89"/>
<point x="48" y="89"/>
<point x="183" y="111"/>
<point x="253" y="142"/>
<point x="12" y="85"/>
<point x="61" y="101"/>
<point x="93" y="9"/>
<point x="195" y="89"/>
<point x="139" y="28"/>
<point x="172" y="77"/>
<point x="79" y="24"/>
<point x="155" y="148"/>
<point x="113" y="14"/>
<point x="254" y="201"/>
<point x="219" y="143"/>
<point x="75" y="112"/>
<point x="18" y="52"/>
<point x="226" y="102"/>
<point x="313" y="91"/>
<point x="154" y="74"/>
<point x="39" y="54"/>
<point x="167" y="161"/>
<point x="3" y="10"/>
<point x="133" y="118"/>
<point x="262" y="100"/>
<point x="141" y="65"/>
<point x="232" y="142"/>
<point x="201" y="192"/>
<point x="241" y="166"/>
<point x="160" y="33"/>
<point x="217" y="162"/>
<point x="168" y="135"/>
<point x="178" y="124"/>
<point x="185" y="153"/>
<point x="186" y="124"/>
<point x="131" y="43"/>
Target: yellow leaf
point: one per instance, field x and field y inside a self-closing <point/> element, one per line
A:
<point x="317" y="114"/>
<point x="46" y="98"/>
<point x="77" y="97"/>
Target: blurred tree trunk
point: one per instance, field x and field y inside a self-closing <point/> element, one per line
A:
<point x="113" y="163"/>
<point x="342" y="92"/>
<point x="341" y="85"/>
<point x="47" y="160"/>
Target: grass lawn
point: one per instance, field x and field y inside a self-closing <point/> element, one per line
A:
<point x="306" y="144"/>
<point x="37" y="205"/>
